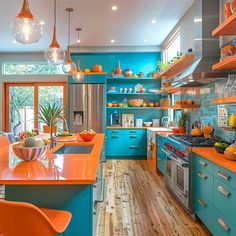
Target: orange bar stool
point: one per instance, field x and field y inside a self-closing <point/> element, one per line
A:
<point x="24" y="219"/>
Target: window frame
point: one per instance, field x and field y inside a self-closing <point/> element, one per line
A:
<point x="6" y="107"/>
<point x="171" y="39"/>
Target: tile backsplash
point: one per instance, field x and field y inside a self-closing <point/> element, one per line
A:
<point x="208" y="113"/>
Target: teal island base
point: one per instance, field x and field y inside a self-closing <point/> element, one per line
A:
<point x="78" y="199"/>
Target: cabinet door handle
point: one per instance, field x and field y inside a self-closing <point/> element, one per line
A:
<point x="223" y="175"/>
<point x="223" y="191"/>
<point x="202" y="202"/>
<point x="114" y="136"/>
<point x="133" y="147"/>
<point x="133" y="136"/>
<point x="202" y="176"/>
<point x="115" y="132"/>
<point x="133" y="132"/>
<point x="223" y="225"/>
<point x="204" y="164"/>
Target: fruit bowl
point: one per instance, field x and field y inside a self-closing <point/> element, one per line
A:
<point x="29" y="153"/>
<point x="87" y="137"/>
<point x="147" y="124"/>
<point x="135" y="102"/>
<point x="220" y="147"/>
<point x="229" y="155"/>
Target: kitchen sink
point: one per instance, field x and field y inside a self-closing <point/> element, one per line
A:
<point x="75" y="150"/>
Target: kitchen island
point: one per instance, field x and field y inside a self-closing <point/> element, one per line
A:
<point x="58" y="181"/>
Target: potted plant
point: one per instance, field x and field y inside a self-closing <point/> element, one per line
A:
<point x="46" y="113"/>
<point x="182" y="123"/>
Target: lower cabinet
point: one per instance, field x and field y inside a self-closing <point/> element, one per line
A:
<point x="214" y="197"/>
<point x="126" y="144"/>
<point x="160" y="154"/>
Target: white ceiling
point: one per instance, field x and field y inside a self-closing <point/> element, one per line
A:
<point x="129" y="25"/>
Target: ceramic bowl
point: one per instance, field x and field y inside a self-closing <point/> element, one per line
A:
<point x="148" y="124"/>
<point x="135" y="102"/>
<point x="29" y="153"/>
<point x="87" y="137"/>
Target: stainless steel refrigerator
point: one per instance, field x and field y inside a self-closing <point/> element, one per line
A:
<point x="87" y="107"/>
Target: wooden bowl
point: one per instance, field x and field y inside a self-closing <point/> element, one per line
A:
<point x="135" y="102"/>
<point x="230" y="156"/>
<point x="87" y="137"/>
<point x="29" y="153"/>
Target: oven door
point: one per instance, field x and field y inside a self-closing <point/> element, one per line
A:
<point x="169" y="169"/>
<point x="181" y="181"/>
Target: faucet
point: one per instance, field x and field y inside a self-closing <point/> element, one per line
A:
<point x="164" y="120"/>
<point x="51" y="124"/>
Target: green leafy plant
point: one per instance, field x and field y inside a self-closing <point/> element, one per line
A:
<point x="183" y="119"/>
<point x="47" y="112"/>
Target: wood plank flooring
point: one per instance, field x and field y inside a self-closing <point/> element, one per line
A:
<point x="138" y="204"/>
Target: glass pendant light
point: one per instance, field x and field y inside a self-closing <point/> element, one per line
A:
<point x="69" y="66"/>
<point x="26" y="28"/>
<point x="78" y="75"/>
<point x="54" y="54"/>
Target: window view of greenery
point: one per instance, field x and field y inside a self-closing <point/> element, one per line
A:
<point x="21" y="109"/>
<point x="31" y="69"/>
<point x="21" y="99"/>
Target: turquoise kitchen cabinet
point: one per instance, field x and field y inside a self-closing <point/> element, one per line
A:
<point x="214" y="196"/>
<point x="160" y="154"/>
<point x="126" y="144"/>
<point x="115" y="145"/>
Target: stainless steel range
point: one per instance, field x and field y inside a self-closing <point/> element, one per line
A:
<point x="177" y="149"/>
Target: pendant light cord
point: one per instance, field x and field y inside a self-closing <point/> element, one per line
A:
<point x="78" y="44"/>
<point x="69" y="31"/>
<point x="55" y="13"/>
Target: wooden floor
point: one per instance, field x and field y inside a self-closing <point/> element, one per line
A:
<point x="138" y="203"/>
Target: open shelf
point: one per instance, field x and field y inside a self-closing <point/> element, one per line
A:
<point x="228" y="27"/>
<point x="96" y="73"/>
<point x="177" y="67"/>
<point x="194" y="106"/>
<point x="139" y="94"/>
<point x="133" y="108"/>
<point x="130" y="78"/>
<point x="228" y="128"/>
<point x="228" y="100"/>
<point x="228" y="63"/>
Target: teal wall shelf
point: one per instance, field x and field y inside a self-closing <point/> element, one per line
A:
<point x="134" y="94"/>
<point x="132" y="108"/>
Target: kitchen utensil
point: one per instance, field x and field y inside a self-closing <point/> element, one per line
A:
<point x="227" y="11"/>
<point x="233" y="6"/>
<point x="175" y="130"/>
<point x="29" y="153"/>
<point x="128" y="73"/>
<point x="139" y="122"/>
<point x="156" y="122"/>
<point x="147" y="124"/>
<point x="135" y="102"/>
<point x="208" y="131"/>
<point x="118" y="70"/>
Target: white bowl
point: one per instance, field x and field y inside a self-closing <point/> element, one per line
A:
<point x="148" y="124"/>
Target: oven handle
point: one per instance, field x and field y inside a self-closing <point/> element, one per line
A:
<point x="168" y="154"/>
<point x="180" y="163"/>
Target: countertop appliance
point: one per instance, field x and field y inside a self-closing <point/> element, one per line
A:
<point x="87" y="107"/>
<point x="115" y="119"/>
<point x="178" y="165"/>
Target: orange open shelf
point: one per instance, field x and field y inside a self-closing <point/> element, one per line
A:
<point x="228" y="27"/>
<point x="95" y="73"/>
<point x="194" y="106"/>
<point x="228" y="100"/>
<point x="177" y="67"/>
<point x="228" y="63"/>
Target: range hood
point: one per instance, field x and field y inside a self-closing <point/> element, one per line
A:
<point x="206" y="48"/>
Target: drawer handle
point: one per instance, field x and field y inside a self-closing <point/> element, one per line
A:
<point x="133" y="147"/>
<point x="223" y="225"/>
<point x="202" y="202"/>
<point x="114" y="136"/>
<point x="115" y="132"/>
<point x="223" y="175"/>
<point x="133" y="136"/>
<point x="223" y="191"/>
<point x="133" y="132"/>
<point x="202" y="176"/>
<point x="202" y="163"/>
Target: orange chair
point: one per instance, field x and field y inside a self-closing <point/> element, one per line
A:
<point x="24" y="219"/>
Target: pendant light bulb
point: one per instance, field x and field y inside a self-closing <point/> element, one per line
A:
<point x="25" y="27"/>
<point x="78" y="75"/>
<point x="54" y="55"/>
<point x="69" y="66"/>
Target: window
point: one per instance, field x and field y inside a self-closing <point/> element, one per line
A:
<point x="31" y="69"/>
<point x="172" y="46"/>
<point x="23" y="100"/>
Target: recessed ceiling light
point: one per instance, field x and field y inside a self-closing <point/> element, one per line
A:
<point x="112" y="40"/>
<point x="114" y="8"/>
<point x="78" y="41"/>
<point x="42" y="23"/>
<point x="145" y="40"/>
<point x="14" y="41"/>
<point x="154" y="21"/>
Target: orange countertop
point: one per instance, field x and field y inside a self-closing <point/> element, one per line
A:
<point x="54" y="169"/>
<point x="212" y="155"/>
<point x="122" y="127"/>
